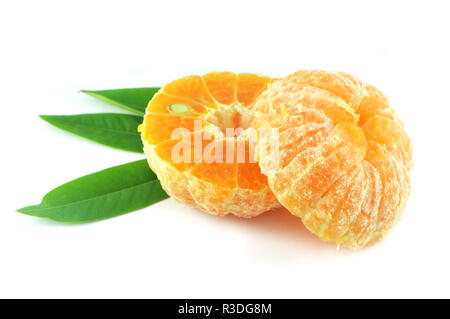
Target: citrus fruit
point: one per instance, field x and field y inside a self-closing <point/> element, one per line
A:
<point x="344" y="158"/>
<point x="187" y="143"/>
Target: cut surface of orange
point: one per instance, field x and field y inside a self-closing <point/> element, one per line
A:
<point x="187" y="143"/>
<point x="344" y="159"/>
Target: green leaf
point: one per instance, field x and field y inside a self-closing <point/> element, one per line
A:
<point x="134" y="99"/>
<point x="112" y="129"/>
<point x="104" y="194"/>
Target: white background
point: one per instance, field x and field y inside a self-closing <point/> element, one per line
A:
<point x="51" y="50"/>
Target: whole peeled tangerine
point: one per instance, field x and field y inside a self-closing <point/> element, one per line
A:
<point x="344" y="159"/>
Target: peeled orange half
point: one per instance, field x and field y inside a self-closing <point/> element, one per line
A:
<point x="344" y="159"/>
<point x="188" y="144"/>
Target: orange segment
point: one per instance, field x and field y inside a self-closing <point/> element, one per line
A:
<point x="336" y="109"/>
<point x="282" y="123"/>
<point x="164" y="151"/>
<point x="362" y="229"/>
<point x="394" y="191"/>
<point x="288" y="103"/>
<point x="354" y="135"/>
<point x="250" y="176"/>
<point x="338" y="84"/>
<point x="375" y="103"/>
<point x="249" y="86"/>
<point x="249" y="172"/>
<point x="222" y="86"/>
<point x="295" y="140"/>
<point x="333" y="107"/>
<point x="315" y="170"/>
<point x="391" y="136"/>
<point x="161" y="127"/>
<point x="183" y="154"/>
<point x="215" y="168"/>
<point x="191" y="87"/>
<point x="220" y="174"/>
<point x="339" y="207"/>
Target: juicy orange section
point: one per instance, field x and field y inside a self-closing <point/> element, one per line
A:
<point x="365" y="224"/>
<point x="339" y="84"/>
<point x="250" y="177"/>
<point x="375" y="103"/>
<point x="164" y="151"/>
<point x="295" y="140"/>
<point x="182" y="154"/>
<point x="345" y="147"/>
<point x="161" y="127"/>
<point x="391" y="136"/>
<point x="313" y="172"/>
<point x="353" y="134"/>
<point x="222" y="86"/>
<point x="191" y="87"/>
<point x="220" y="174"/>
<point x="341" y="202"/>
<point x="333" y="107"/>
<point x="249" y="86"/>
<point x="249" y="172"/>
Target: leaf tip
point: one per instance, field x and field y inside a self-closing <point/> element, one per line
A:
<point x="23" y="210"/>
<point x="89" y="92"/>
<point x="34" y="210"/>
<point x="45" y="117"/>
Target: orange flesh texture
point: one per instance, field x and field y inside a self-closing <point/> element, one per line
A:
<point x="344" y="155"/>
<point x="192" y="87"/>
<point x="159" y="127"/>
<point x="222" y="86"/>
<point x="208" y="182"/>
